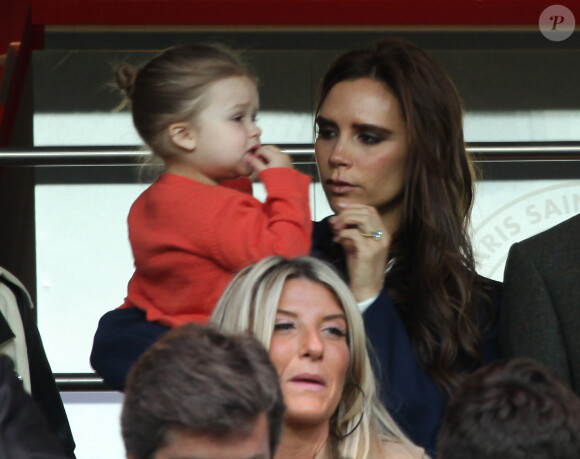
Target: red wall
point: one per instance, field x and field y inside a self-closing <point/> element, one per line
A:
<point x="292" y="12"/>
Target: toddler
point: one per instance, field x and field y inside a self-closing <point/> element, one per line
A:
<point x="197" y="225"/>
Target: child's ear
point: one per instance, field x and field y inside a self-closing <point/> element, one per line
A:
<point x="183" y="136"/>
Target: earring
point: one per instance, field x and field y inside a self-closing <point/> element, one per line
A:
<point x="343" y="436"/>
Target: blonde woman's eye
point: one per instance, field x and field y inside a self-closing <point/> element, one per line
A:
<point x="336" y="331"/>
<point x="283" y="326"/>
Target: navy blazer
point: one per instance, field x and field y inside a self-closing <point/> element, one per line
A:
<point x="540" y="316"/>
<point x="408" y="392"/>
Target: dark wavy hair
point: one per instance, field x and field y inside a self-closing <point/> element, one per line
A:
<point x="433" y="281"/>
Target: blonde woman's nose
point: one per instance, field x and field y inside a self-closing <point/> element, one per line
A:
<point x="312" y="344"/>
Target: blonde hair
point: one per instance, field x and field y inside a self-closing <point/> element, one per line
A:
<point x="170" y="88"/>
<point x="250" y="303"/>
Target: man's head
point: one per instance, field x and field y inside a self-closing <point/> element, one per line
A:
<point x="197" y="393"/>
<point x="511" y="410"/>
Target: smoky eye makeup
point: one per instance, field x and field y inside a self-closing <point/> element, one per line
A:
<point x="325" y="129"/>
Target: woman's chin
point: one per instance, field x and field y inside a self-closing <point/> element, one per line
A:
<point x="306" y="418"/>
<point x="308" y="412"/>
<point x="338" y="203"/>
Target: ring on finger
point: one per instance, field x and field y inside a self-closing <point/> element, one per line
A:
<point x="376" y="234"/>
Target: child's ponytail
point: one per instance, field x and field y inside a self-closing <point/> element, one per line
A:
<point x="125" y="76"/>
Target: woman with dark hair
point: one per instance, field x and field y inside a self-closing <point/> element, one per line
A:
<point x="393" y="164"/>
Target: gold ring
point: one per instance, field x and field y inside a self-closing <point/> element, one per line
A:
<point x="376" y="235"/>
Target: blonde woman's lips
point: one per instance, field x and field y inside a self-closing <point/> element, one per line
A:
<point x="309" y="381"/>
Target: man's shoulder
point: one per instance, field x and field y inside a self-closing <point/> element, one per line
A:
<point x="564" y="234"/>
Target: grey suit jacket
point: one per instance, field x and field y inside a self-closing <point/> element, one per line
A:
<point x="540" y="316"/>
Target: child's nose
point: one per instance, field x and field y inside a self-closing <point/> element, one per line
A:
<point x="255" y="131"/>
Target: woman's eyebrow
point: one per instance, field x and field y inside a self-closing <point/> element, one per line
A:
<point x="321" y="120"/>
<point x="372" y="127"/>
<point x="335" y="316"/>
<point x="328" y="317"/>
<point x="286" y="312"/>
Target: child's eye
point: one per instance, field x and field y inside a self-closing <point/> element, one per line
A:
<point x="238" y="118"/>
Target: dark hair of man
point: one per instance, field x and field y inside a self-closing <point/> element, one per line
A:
<point x="511" y="410"/>
<point x="199" y="381"/>
<point x="433" y="283"/>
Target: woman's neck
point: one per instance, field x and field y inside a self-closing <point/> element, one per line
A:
<point x="306" y="442"/>
<point x="392" y="219"/>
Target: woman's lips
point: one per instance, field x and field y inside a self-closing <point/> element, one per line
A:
<point x="309" y="380"/>
<point x="339" y="187"/>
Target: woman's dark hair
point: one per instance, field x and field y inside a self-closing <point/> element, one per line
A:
<point x="433" y="281"/>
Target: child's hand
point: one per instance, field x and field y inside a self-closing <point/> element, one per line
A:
<point x="267" y="157"/>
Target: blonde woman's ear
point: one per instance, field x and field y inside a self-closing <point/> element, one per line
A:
<point x="183" y="136"/>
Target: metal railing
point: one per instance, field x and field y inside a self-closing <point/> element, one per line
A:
<point x="97" y="156"/>
<point x="87" y="156"/>
<point x="80" y="382"/>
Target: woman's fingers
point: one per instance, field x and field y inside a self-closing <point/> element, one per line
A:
<point x="366" y="261"/>
<point x="366" y="245"/>
<point x="360" y="231"/>
<point x="364" y="218"/>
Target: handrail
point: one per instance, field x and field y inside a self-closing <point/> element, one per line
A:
<point x="80" y="382"/>
<point x="96" y="156"/>
<point x="82" y="156"/>
<point x="490" y="152"/>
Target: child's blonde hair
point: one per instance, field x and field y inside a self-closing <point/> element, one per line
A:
<point x="170" y="88"/>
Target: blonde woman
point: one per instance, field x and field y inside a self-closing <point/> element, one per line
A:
<point x="307" y="317"/>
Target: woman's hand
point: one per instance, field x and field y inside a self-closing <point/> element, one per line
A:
<point x="366" y="256"/>
<point x="267" y="157"/>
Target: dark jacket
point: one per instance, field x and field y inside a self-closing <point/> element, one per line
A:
<point x="43" y="387"/>
<point x="24" y="432"/>
<point x="540" y="316"/>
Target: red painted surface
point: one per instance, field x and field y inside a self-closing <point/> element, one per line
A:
<point x="12" y="19"/>
<point x="290" y="12"/>
<point x="32" y="38"/>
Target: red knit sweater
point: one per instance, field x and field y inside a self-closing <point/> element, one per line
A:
<point x="189" y="239"/>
